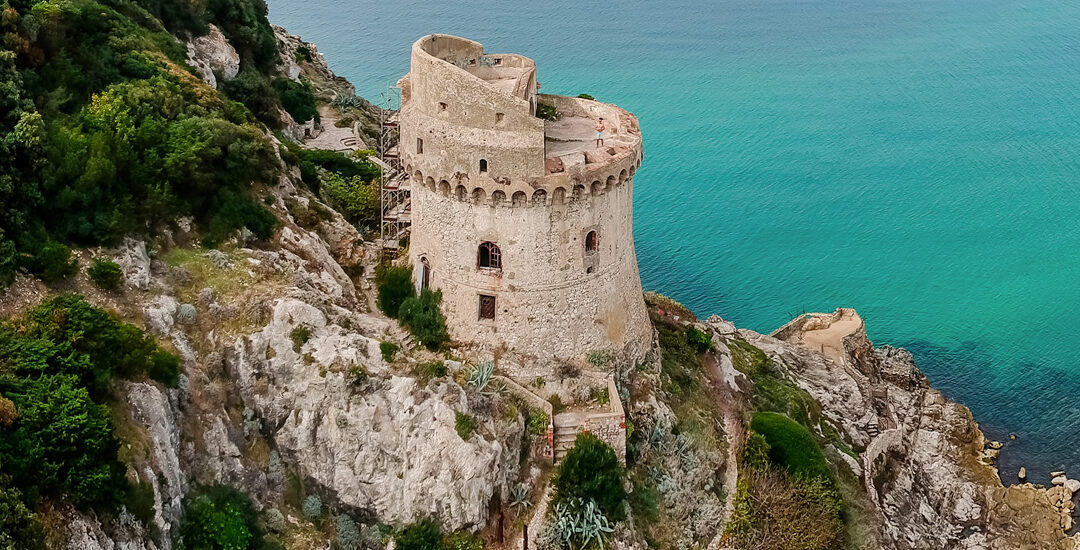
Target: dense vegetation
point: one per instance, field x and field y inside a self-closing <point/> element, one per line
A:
<point x="57" y="364"/>
<point x="397" y="298"/>
<point x="104" y="131"/>
<point x="787" y="497"/>
<point x="220" y="518"/>
<point x="591" y="471"/>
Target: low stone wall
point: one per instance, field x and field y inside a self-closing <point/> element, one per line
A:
<point x="610" y="427"/>
<point x="534" y="402"/>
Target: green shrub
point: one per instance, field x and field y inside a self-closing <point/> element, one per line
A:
<point x="395" y="286"/>
<point x="465" y="425"/>
<point x="775" y="511"/>
<point x="388" y="350"/>
<point x="20" y="528"/>
<point x="700" y="341"/>
<point x="547" y="112"/>
<point x="586" y="96"/>
<point x="53" y="263"/>
<point x="557" y="405"/>
<point x="63" y="445"/>
<point x="463" y="540"/>
<point x="791" y="445"/>
<point x="358" y="374"/>
<point x="421" y="315"/>
<point x="139" y="500"/>
<point x="9" y="261"/>
<point x="103" y="345"/>
<point x="303" y="53"/>
<point x="220" y="518"/>
<point x="105" y="274"/>
<point x="591" y="471"/>
<point x="355" y="197"/>
<point x="313" y="508"/>
<point x="232" y="211"/>
<point x="299" y="336"/>
<point x="756" y="451"/>
<point x="423" y="535"/>
<point x="600" y="359"/>
<point x="538" y="422"/>
<point x="296" y="98"/>
<point x="165" y="368"/>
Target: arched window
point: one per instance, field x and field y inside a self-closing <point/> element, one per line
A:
<point x="592" y="243"/>
<point x="489" y="256"/>
<point x="483" y="165"/>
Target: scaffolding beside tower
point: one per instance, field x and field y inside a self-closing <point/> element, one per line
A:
<point x="395" y="204"/>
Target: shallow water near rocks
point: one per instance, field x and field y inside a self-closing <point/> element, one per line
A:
<point x="916" y="160"/>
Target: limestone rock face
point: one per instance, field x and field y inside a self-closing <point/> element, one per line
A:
<point x="386" y="445"/>
<point x="921" y="454"/>
<point x="153" y="409"/>
<point x="87" y="532"/>
<point x="135" y="263"/>
<point x="213" y="53"/>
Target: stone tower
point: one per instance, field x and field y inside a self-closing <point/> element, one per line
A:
<point x="524" y="224"/>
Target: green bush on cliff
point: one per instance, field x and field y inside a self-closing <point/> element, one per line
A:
<point x="220" y="518"/>
<point x="422" y="535"/>
<point x="395" y="286"/>
<point x="355" y="197"/>
<point x="421" y="315"/>
<point x="591" y="471"/>
<point x="105" y="274"/>
<point x="53" y="263"/>
<point x="791" y="445"/>
<point x="296" y="98"/>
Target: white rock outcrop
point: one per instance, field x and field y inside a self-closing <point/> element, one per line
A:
<point x="212" y="53"/>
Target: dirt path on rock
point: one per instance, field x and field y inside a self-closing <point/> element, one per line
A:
<point x="726" y="401"/>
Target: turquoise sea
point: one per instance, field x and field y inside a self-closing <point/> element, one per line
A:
<point x="914" y="159"/>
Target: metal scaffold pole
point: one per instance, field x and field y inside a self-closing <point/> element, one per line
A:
<point x="395" y="203"/>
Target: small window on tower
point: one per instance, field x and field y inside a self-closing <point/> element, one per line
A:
<point x="442" y="106"/>
<point x="483" y="166"/>
<point x="489" y="256"/>
<point x="419" y="146"/>
<point x="592" y="243"/>
<point x="487" y="307"/>
<point x="499" y="117"/>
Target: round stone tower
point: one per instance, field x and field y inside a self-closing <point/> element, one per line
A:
<point x="524" y="224"/>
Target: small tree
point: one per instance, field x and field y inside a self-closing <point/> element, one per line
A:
<point x="423" y="535"/>
<point x="220" y="518"/>
<point x="422" y="317"/>
<point x="395" y="286"/>
<point x="53" y="263"/>
<point x="105" y="274"/>
<point x="591" y="471"/>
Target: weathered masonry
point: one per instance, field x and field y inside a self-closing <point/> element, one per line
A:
<point x="524" y="224"/>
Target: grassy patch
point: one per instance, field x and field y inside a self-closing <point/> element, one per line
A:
<point x="388" y="350"/>
<point x="791" y="445"/>
<point x="299" y="336"/>
<point x="465" y="425"/>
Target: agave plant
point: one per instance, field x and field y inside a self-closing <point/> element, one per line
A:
<point x="593" y="525"/>
<point x="481" y="375"/>
<point x="519" y="497"/>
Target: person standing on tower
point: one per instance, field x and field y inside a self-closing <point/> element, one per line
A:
<point x="600" y="133"/>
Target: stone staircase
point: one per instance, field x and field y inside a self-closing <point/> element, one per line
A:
<point x="567" y="428"/>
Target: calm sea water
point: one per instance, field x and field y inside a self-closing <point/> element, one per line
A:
<point x="914" y="159"/>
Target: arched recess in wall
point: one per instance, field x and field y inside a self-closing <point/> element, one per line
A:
<point x="460" y="193"/>
<point x="558" y="196"/>
<point x="444" y="188"/>
<point x="479" y="196"/>
<point x="483" y="166"/>
<point x="596" y="188"/>
<point x="497" y="198"/>
<point x="592" y="243"/>
<point x="429" y="182"/>
<point x="539" y="197"/>
<point x="418" y="177"/>
<point x="519" y="199"/>
<point x="622" y="177"/>
<point x="488" y="256"/>
<point x="610" y="183"/>
<point x="578" y="193"/>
